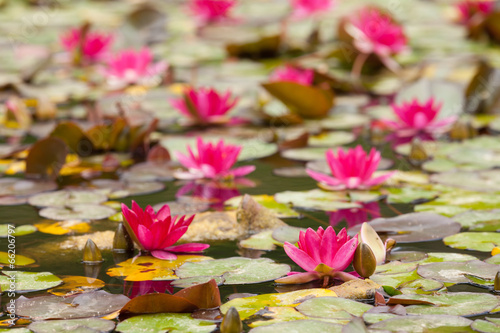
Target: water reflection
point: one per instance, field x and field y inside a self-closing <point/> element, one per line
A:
<point x="354" y="216"/>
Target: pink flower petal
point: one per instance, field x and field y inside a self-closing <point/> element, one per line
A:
<point x="300" y="257"/>
<point x="188" y="248"/>
<point x="164" y="255"/>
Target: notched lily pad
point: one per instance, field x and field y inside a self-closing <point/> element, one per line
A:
<point x="287" y="234"/>
<point x="457" y="272"/>
<point x="479" y="220"/>
<point x="163" y="322"/>
<point x="413" y="227"/>
<point x="96" y="325"/>
<point x="77" y="212"/>
<point x="236" y="270"/>
<point x="28" y="281"/>
<point x="477" y="241"/>
<point x="333" y="308"/>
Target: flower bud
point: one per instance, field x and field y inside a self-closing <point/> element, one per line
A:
<point x="91" y="253"/>
<point x="231" y="322"/>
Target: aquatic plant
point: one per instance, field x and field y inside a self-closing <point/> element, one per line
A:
<point x="213" y="161"/>
<point x="351" y="169"/>
<point x="305" y="8"/>
<point x="205" y="105"/>
<point x="211" y="11"/>
<point x="323" y="254"/>
<point x="92" y="49"/>
<point x="158" y="232"/>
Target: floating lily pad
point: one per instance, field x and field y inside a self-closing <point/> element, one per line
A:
<point x="77" y="285"/>
<point x="117" y="189"/>
<point x="268" y="201"/>
<point x="333" y="308"/>
<point x="459" y="303"/>
<point x="77" y="212"/>
<point x="67" y="198"/>
<point x="331" y="139"/>
<point x="93" y="304"/>
<point x="316" y="200"/>
<point x="409" y="195"/>
<point x="165" y="322"/>
<point x="260" y="241"/>
<point x="344" y="121"/>
<point x="457" y="272"/>
<point x="287" y="234"/>
<point x="21" y="188"/>
<point x="421" y="286"/>
<point x="97" y="325"/>
<point x="490" y="325"/>
<point x="20" y="260"/>
<point x="64" y="227"/>
<point x="21" y="230"/>
<point x="146" y="268"/>
<point x="248" y="306"/>
<point x="299" y="326"/>
<point x="28" y="281"/>
<point x="477" y="241"/>
<point x="423" y="323"/>
<point x="235" y="270"/>
<point x="479" y="220"/>
<point x="305" y="154"/>
<point x="183" y="208"/>
<point x="481" y="181"/>
<point x="413" y="227"/>
<point x="189" y="282"/>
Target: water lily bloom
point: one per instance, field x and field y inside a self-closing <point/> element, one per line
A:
<point x="292" y="74"/>
<point x="305" y="8"/>
<point x="158" y="232"/>
<point x="133" y="67"/>
<point x="94" y="48"/>
<point x="213" y="161"/>
<point x="351" y="169"/>
<point x="376" y="32"/>
<point x="418" y="119"/>
<point x="469" y="10"/>
<point x="207" y="105"/>
<point x="211" y="11"/>
<point x="323" y="254"/>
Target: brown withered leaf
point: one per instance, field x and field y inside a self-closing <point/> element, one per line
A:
<point x="46" y="158"/>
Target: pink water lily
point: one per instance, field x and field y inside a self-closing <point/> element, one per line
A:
<point x="376" y="32"/>
<point x="211" y="11"/>
<point x="158" y="232"/>
<point x="306" y="8"/>
<point x="133" y="67"/>
<point x="94" y="47"/>
<point x="323" y="254"/>
<point x="470" y="10"/>
<point x="213" y="161"/>
<point x="292" y="74"/>
<point x="351" y="169"/>
<point x="418" y="119"/>
<point x="207" y="106"/>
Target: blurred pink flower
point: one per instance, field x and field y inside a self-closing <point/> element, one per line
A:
<point x="132" y="67"/>
<point x="354" y="216"/>
<point x="352" y="169"/>
<point x="415" y="118"/>
<point x="468" y="9"/>
<point x="158" y="232"/>
<point x="213" y="161"/>
<point x="95" y="45"/>
<point x="211" y="11"/>
<point x="374" y="31"/>
<point x="305" y="8"/>
<point x="322" y="254"/>
<point x="208" y="106"/>
<point x="292" y="74"/>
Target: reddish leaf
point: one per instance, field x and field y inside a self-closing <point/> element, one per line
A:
<point x="402" y="301"/>
<point x="205" y="295"/>
<point x="156" y="303"/>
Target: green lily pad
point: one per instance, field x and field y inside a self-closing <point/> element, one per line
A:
<point x="421" y="286"/>
<point x="344" y="121"/>
<point x="248" y="306"/>
<point x="477" y="241"/>
<point x="165" y="322"/>
<point x="287" y="234"/>
<point x="473" y="155"/>
<point x="268" y="201"/>
<point x="236" y="270"/>
<point x="116" y="189"/>
<point x="409" y="195"/>
<point x="481" y="181"/>
<point x="459" y="201"/>
<point x="479" y="220"/>
<point x="28" y="281"/>
<point x="15" y="330"/>
<point x="189" y="282"/>
<point x="459" y="303"/>
<point x="21" y="187"/>
<point x="77" y="212"/>
<point x="92" y="304"/>
<point x="331" y="139"/>
<point x="261" y="241"/>
<point x="457" y="272"/>
<point x="423" y="323"/>
<point x="490" y="325"/>
<point x="315" y="200"/>
<point x="333" y="308"/>
<point x="21" y="230"/>
<point x="299" y="326"/>
<point x="67" y="198"/>
<point x="55" y="326"/>
<point x="305" y="154"/>
<point x="413" y="227"/>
